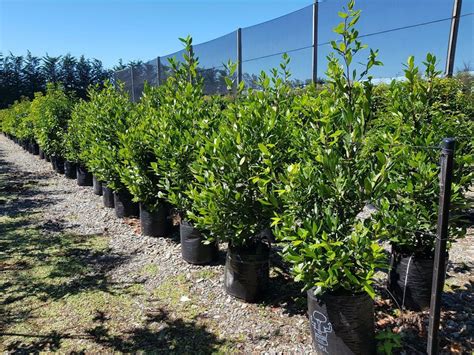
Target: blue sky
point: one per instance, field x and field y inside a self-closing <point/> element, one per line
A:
<point x="128" y="29"/>
<point x="142" y="29"/>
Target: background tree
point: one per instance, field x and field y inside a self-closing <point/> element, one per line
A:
<point x="23" y="76"/>
<point x="50" y="68"/>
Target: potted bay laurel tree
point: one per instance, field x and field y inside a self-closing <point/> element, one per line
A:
<point x="109" y="115"/>
<point x="331" y="247"/>
<point x="25" y="124"/>
<point x="185" y="118"/>
<point x="232" y="172"/>
<point x="72" y="143"/>
<point x="418" y="116"/>
<point x="78" y="142"/>
<point x="51" y="113"/>
<point x="137" y="154"/>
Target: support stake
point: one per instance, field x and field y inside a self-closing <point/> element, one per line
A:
<point x="439" y="270"/>
<point x="239" y="56"/>
<point x="158" y="71"/>
<point x="132" y="84"/>
<point x="453" y="37"/>
<point x="315" y="43"/>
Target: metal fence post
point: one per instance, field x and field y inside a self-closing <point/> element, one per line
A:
<point x="158" y="70"/>
<point x="131" y="82"/>
<point x="315" y="42"/>
<point x="439" y="270"/>
<point x="453" y="37"/>
<point x="239" y="56"/>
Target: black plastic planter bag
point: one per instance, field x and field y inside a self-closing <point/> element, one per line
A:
<point x="124" y="206"/>
<point x="247" y="271"/>
<point x="70" y="169"/>
<point x="193" y="250"/>
<point x="97" y="186"/>
<point x="107" y="196"/>
<point x="410" y="280"/>
<point x="59" y="163"/>
<point x="157" y="222"/>
<point x="35" y="148"/>
<point x="84" y="178"/>
<point x="41" y="154"/>
<point x="342" y="324"/>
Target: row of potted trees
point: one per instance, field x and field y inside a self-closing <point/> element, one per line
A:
<point x="295" y="167"/>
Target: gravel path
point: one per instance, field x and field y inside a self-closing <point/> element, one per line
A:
<point x="278" y="324"/>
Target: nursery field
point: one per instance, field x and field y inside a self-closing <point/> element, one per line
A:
<point x="271" y="219"/>
<point x="76" y="278"/>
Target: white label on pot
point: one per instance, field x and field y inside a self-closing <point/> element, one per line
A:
<point x="321" y="329"/>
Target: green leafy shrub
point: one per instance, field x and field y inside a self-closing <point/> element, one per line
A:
<point x="51" y="113"/>
<point x="173" y="119"/>
<point x="185" y="119"/>
<point x="237" y="163"/>
<point x="136" y="150"/>
<point x="77" y="142"/>
<point x="421" y="111"/>
<point x="16" y="120"/>
<point x="107" y="115"/>
<point x="328" y="244"/>
<point x="25" y="122"/>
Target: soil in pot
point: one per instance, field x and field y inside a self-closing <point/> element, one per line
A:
<point x="107" y="196"/>
<point x="247" y="269"/>
<point x="84" y="178"/>
<point x="410" y="280"/>
<point x="97" y="186"/>
<point x="155" y="223"/>
<point x="342" y="323"/>
<point x="124" y="206"/>
<point x="193" y="250"/>
<point x="70" y="169"/>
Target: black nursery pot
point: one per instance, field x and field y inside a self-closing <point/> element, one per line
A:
<point x="247" y="271"/>
<point x="155" y="223"/>
<point x="107" y="196"/>
<point x="193" y="250"/>
<point x="84" y="178"/>
<point x="70" y="169"/>
<point x="410" y="280"/>
<point x="97" y="186"/>
<point x="124" y="206"/>
<point x="41" y="153"/>
<point x="59" y="165"/>
<point x="35" y="148"/>
<point x="52" y="159"/>
<point x="342" y="323"/>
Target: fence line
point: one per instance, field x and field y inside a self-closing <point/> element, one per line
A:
<point x="302" y="33"/>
